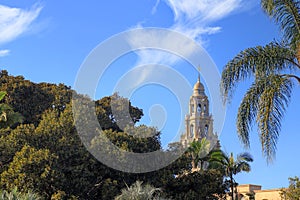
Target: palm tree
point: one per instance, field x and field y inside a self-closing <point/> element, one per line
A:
<point x="274" y="68"/>
<point x="232" y="166"/>
<point x="199" y="151"/>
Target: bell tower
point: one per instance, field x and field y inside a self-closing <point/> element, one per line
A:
<point x="198" y="122"/>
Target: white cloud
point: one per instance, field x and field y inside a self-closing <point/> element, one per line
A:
<point x="192" y="18"/>
<point x="150" y="38"/>
<point x="4" y="52"/>
<point x="155" y="6"/>
<point x="202" y="10"/>
<point x="16" y="21"/>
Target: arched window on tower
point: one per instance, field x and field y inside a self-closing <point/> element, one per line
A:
<point x="206" y="130"/>
<point x="199" y="108"/>
<point x="204" y="108"/>
<point x="192" y="131"/>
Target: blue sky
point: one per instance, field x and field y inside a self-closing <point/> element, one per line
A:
<point x="47" y="41"/>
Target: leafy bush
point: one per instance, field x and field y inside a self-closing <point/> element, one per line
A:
<point x="140" y="192"/>
<point x="15" y="195"/>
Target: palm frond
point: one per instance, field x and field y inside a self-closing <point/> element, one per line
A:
<point x="247" y="113"/>
<point x="265" y="102"/>
<point x="242" y="166"/>
<point x="218" y="156"/>
<point x="244" y="157"/>
<point x="286" y="14"/>
<point x="204" y="148"/>
<point x="2" y="94"/>
<point x="258" y="62"/>
<point x="199" y="149"/>
<point x="218" y="160"/>
<point x="272" y="106"/>
<point x="268" y="6"/>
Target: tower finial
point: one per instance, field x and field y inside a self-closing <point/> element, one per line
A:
<point x="199" y="68"/>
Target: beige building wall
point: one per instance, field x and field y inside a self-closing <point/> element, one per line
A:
<point x="267" y="194"/>
<point x="247" y="188"/>
<point x="259" y="194"/>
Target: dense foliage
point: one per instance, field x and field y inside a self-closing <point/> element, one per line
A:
<point x="293" y="191"/>
<point x="45" y="155"/>
<point x="197" y="185"/>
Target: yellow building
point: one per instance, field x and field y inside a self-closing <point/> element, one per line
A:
<point x="245" y="191"/>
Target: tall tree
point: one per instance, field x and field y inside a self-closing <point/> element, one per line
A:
<point x="206" y="184"/>
<point x="274" y="68"/>
<point x="232" y="166"/>
<point x="30" y="170"/>
<point x="116" y="112"/>
<point x="293" y="191"/>
<point x="32" y="99"/>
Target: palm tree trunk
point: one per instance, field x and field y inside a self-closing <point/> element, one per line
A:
<point x="194" y="166"/>
<point x="232" y="187"/>
<point x="201" y="165"/>
<point x="235" y="191"/>
<point x="298" y="52"/>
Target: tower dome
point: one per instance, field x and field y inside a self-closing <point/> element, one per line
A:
<point x="198" y="87"/>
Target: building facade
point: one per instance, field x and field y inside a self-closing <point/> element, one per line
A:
<point x="250" y="191"/>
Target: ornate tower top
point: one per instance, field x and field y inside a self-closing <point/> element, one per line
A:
<point x="198" y="87"/>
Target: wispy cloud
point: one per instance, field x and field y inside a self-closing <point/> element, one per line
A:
<point x="163" y="39"/>
<point x="4" y="52"/>
<point x="155" y="6"/>
<point x="192" y="18"/>
<point x="15" y="21"/>
<point x="202" y="10"/>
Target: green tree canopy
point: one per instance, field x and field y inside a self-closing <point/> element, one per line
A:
<point x="293" y="191"/>
<point x="45" y="153"/>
